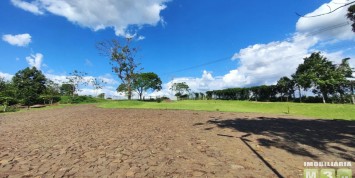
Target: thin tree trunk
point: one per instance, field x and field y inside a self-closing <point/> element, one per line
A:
<point x="342" y="98"/>
<point x="300" y="94"/>
<point x="282" y="96"/>
<point x="140" y="91"/>
<point x="73" y="91"/>
<point x="323" y="98"/>
<point x="129" y="89"/>
<point x="287" y="98"/>
<point x="352" y="93"/>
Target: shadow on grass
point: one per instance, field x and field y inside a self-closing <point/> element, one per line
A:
<point x="335" y="137"/>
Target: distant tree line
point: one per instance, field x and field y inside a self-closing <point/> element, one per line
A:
<point x="29" y="87"/>
<point x="327" y="81"/>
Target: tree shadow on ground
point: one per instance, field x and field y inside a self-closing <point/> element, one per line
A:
<point x="335" y="137"/>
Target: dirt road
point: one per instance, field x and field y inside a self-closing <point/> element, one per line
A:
<point x="86" y="141"/>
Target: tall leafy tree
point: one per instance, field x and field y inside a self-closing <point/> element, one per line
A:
<point x="181" y="89"/>
<point x="302" y="81"/>
<point x="7" y="94"/>
<point x="285" y="86"/>
<point x="2" y="84"/>
<point x="345" y="85"/>
<point x="123" y="62"/>
<point x="52" y="91"/>
<point x="29" y="84"/>
<point x="67" y="89"/>
<point x="146" y="81"/>
<point x="320" y="74"/>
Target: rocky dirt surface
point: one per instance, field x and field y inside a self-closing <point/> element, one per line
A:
<point x="86" y="141"/>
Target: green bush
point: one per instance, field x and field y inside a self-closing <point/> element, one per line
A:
<point x="84" y="99"/>
<point x="9" y="100"/>
<point x="65" y="99"/>
<point x="9" y="109"/>
<point x="77" y="99"/>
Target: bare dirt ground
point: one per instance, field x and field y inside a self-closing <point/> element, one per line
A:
<point x="86" y="141"/>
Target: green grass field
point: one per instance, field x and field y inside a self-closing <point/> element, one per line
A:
<point x="323" y="111"/>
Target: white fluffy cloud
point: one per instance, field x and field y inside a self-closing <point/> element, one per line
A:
<point x="6" y="76"/>
<point x="266" y="63"/>
<point x="17" y="40"/>
<point x="259" y="64"/>
<point x="97" y="15"/>
<point x="31" y="7"/>
<point x="330" y="26"/>
<point x="35" y="60"/>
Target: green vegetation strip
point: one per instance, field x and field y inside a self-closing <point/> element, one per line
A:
<point x="322" y="111"/>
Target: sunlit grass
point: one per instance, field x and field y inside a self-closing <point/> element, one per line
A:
<point x="323" y="111"/>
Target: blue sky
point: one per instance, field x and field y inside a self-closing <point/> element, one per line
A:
<point x="260" y="41"/>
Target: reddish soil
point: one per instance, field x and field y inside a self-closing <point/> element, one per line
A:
<point x="86" y="141"/>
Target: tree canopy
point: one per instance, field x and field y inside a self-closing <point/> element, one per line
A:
<point x="51" y="92"/>
<point x="181" y="89"/>
<point x="146" y="81"/>
<point x="320" y="74"/>
<point x="123" y="62"/>
<point x="7" y="94"/>
<point x="67" y="89"/>
<point x="29" y="84"/>
<point x="285" y="87"/>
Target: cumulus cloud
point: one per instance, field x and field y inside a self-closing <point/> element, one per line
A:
<point x="120" y="15"/>
<point x="109" y="92"/>
<point x="199" y="84"/>
<point x="30" y="7"/>
<point x="330" y="26"/>
<point x="250" y="73"/>
<point x="108" y="79"/>
<point x="266" y="63"/>
<point x="17" y="40"/>
<point x="260" y="64"/>
<point x="6" y="76"/>
<point x="35" y="60"/>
